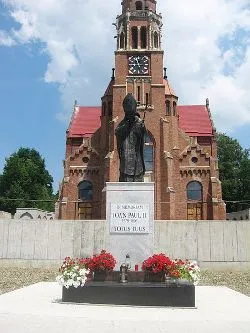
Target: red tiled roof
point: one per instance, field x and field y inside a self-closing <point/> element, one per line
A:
<point x="85" y="121"/>
<point x="194" y="120"/>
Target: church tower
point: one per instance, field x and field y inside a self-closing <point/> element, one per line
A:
<point x="139" y="70"/>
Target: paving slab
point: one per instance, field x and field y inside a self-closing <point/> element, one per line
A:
<point x="37" y="309"/>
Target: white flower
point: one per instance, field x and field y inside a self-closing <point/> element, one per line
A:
<point x="70" y="282"/>
<point x="76" y="284"/>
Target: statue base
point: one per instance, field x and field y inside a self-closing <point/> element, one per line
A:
<point x="130" y="217"/>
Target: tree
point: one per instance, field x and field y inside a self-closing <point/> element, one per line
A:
<point x="24" y="179"/>
<point x="234" y="166"/>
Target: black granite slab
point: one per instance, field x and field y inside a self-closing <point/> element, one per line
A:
<point x="132" y="293"/>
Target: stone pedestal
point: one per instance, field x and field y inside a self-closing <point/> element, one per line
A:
<point x="130" y="218"/>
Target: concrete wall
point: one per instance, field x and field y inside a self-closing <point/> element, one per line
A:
<point x="214" y="244"/>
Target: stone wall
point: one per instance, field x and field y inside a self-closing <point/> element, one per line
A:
<point x="5" y="215"/>
<point x="239" y="216"/>
<point x="214" y="244"/>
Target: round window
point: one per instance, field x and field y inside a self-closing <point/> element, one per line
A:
<point x="85" y="159"/>
<point x="194" y="159"/>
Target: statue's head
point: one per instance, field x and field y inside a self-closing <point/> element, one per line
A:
<point x="129" y="106"/>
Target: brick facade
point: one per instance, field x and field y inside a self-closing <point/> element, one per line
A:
<point x="182" y="138"/>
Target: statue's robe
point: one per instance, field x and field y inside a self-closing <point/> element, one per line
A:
<point x="130" y="145"/>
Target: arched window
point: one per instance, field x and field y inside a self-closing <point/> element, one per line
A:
<point x="103" y="109"/>
<point x="156" y="40"/>
<point x="110" y="108"/>
<point x="143" y="37"/>
<point x="194" y="198"/>
<point x="138" y="95"/>
<point x="168" y="108"/>
<point x="174" y="108"/>
<point x="122" y="40"/>
<point x="194" y="191"/>
<point x="85" y="191"/>
<point x="138" y="5"/>
<point x="134" y="31"/>
<point x="149" y="153"/>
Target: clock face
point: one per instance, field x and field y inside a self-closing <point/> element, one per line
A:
<point x="138" y="64"/>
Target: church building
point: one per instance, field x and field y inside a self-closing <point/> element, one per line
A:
<point x="180" y="149"/>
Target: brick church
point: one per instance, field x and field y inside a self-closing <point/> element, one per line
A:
<point x="180" y="148"/>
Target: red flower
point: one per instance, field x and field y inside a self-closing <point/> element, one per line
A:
<point x="103" y="261"/>
<point x="157" y="263"/>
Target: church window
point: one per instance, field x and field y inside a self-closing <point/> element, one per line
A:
<point x="194" y="197"/>
<point x="138" y="5"/>
<point x="76" y="141"/>
<point x="85" y="159"/>
<point x="194" y="159"/>
<point x="143" y="37"/>
<point x="110" y="108"/>
<point x="168" y="108"/>
<point x="174" y="108"/>
<point x="156" y="40"/>
<point x="138" y="95"/>
<point x="122" y="40"/>
<point x="104" y="109"/>
<point x="147" y="99"/>
<point x="85" y="194"/>
<point x="149" y="153"/>
<point x="85" y="191"/>
<point x="194" y="191"/>
<point x="134" y="37"/>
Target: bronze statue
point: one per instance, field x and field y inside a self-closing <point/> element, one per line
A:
<point x="130" y="143"/>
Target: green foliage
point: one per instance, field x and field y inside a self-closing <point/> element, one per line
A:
<point x="25" y="178"/>
<point x="234" y="166"/>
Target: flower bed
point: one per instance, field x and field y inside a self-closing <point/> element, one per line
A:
<point x="161" y="265"/>
<point x="73" y="273"/>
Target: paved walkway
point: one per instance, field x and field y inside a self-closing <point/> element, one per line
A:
<point x="36" y="309"/>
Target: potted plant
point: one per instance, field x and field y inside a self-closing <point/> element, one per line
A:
<point x="73" y="273"/>
<point x="156" y="267"/>
<point x="101" y="264"/>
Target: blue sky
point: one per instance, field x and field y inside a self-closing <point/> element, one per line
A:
<point x="48" y="58"/>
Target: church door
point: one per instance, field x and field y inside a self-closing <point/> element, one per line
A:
<point x="85" y="211"/>
<point x="194" y="211"/>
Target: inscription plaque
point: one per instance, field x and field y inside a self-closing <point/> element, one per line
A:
<point x="129" y="218"/>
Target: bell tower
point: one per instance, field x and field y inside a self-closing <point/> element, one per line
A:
<point x="139" y="70"/>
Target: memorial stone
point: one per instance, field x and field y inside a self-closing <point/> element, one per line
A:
<point x="130" y="215"/>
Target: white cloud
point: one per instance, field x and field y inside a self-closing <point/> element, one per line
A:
<point x="78" y="38"/>
<point x="5" y="39"/>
